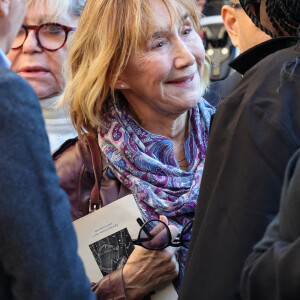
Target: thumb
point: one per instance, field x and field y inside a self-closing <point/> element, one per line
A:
<point x="174" y="233"/>
<point x="163" y="219"/>
<point x="173" y="229"/>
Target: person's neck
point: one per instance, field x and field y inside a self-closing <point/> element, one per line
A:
<point x="174" y="127"/>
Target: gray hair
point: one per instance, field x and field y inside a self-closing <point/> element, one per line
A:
<point x="76" y="7"/>
<point x="60" y="7"/>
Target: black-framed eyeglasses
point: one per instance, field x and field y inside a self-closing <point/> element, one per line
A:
<point x="254" y="7"/>
<point x="156" y="235"/>
<point x="234" y="5"/>
<point x="50" y="36"/>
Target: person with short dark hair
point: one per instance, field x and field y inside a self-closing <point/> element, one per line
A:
<point x="244" y="35"/>
<point x="254" y="133"/>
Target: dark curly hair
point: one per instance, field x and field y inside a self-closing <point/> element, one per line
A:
<point x="283" y="14"/>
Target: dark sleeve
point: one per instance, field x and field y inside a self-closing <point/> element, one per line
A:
<point x="255" y="132"/>
<point x="38" y="249"/>
<point x="272" y="271"/>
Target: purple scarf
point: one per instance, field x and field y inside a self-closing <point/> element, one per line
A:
<point x="145" y="163"/>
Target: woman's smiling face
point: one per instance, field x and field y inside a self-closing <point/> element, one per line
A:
<point x="165" y="76"/>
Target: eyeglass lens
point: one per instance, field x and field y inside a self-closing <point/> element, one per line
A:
<point x="154" y="235"/>
<point x="50" y="37"/>
<point x="185" y="236"/>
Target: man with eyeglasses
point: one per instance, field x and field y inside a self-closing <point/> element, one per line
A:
<point x="254" y="133"/>
<point x="243" y="35"/>
<point x="38" y="248"/>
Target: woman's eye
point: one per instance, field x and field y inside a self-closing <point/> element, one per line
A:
<point x="52" y="29"/>
<point x="187" y="31"/>
<point x="160" y="44"/>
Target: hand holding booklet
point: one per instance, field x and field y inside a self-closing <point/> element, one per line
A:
<point x="105" y="240"/>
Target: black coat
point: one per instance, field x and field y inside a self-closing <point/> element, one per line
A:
<point x="272" y="271"/>
<point x="254" y="133"/>
<point x="219" y="90"/>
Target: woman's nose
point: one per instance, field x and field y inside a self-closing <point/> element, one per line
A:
<point x="183" y="56"/>
<point x="31" y="44"/>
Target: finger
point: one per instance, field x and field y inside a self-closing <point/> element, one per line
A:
<point x="174" y="231"/>
<point x="159" y="241"/>
<point x="163" y="219"/>
<point x="158" y="228"/>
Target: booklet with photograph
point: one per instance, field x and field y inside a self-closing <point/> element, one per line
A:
<point x="104" y="240"/>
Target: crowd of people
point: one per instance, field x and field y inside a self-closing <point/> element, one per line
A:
<point x="102" y="99"/>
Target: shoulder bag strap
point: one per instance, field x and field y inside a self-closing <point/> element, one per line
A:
<point x="95" y="201"/>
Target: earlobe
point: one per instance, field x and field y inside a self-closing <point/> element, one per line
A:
<point x="231" y="23"/>
<point x="121" y="84"/>
<point x="4" y="8"/>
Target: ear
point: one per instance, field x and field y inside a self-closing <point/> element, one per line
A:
<point x="4" y="8"/>
<point x="121" y="83"/>
<point x="231" y="23"/>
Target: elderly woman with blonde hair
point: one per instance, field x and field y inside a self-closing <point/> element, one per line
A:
<point x="38" y="54"/>
<point x="137" y="70"/>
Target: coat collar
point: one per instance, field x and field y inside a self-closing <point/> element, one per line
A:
<point x="249" y="58"/>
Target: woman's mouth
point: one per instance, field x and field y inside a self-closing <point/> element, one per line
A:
<point x="29" y="72"/>
<point x="184" y="82"/>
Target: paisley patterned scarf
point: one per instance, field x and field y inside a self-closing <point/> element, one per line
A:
<point x="145" y="163"/>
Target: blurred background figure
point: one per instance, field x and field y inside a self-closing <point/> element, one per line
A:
<point x="241" y="34"/>
<point x="38" y="54"/>
<point x="200" y="5"/>
<point x="216" y="40"/>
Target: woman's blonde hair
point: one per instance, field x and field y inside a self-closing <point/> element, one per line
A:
<point x="108" y="32"/>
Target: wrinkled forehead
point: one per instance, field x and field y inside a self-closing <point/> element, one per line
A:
<point x="164" y="14"/>
<point x="47" y="10"/>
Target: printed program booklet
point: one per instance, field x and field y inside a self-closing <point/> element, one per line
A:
<point x="104" y="241"/>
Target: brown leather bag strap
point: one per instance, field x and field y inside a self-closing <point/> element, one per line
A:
<point x="95" y="201"/>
